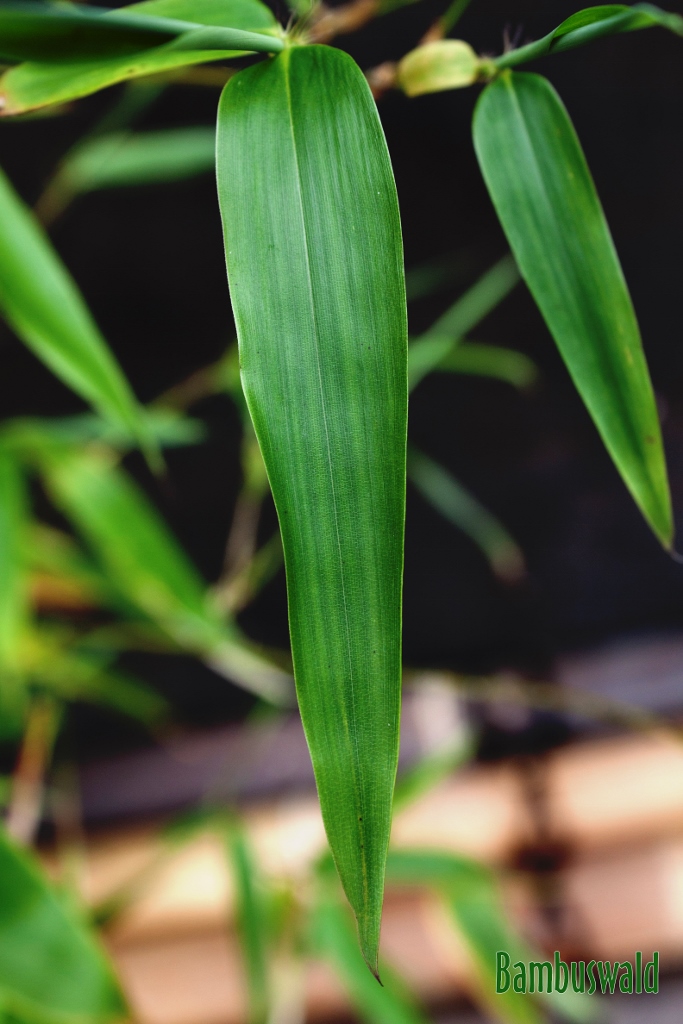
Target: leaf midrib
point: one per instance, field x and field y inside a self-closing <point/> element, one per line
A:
<point x="352" y="739"/>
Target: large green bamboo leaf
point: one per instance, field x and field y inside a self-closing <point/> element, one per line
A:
<point x="52" y="970"/>
<point x="544" y="195"/>
<point x="315" y="265"/>
<point x="41" y="302"/>
<point x="148" y="567"/>
<point x="38" y="83"/>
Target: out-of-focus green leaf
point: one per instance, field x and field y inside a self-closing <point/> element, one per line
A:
<point x="41" y="302"/>
<point x="591" y="24"/>
<point x="544" y="195"/>
<point x="13" y="574"/>
<point x="427" y="351"/>
<point x="315" y="263"/>
<point x="149" y="568"/>
<point x="436" y="274"/>
<point x="50" y="553"/>
<point x="333" y="938"/>
<point x="44" y="31"/>
<point x="127" y="158"/>
<point x="52" y="970"/>
<point x="491" y="361"/>
<point x="38" y="83"/>
<point x="165" y="426"/>
<point x="462" y="509"/>
<point x="473" y="896"/>
<point x="70" y="674"/>
<point x="34" y="31"/>
<point x="430" y="770"/>
<point x="251" y="922"/>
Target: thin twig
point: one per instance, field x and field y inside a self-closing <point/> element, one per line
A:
<point x="28" y="780"/>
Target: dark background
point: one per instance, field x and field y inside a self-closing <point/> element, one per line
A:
<point x="149" y="261"/>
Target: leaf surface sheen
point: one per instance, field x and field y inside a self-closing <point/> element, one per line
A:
<point x="538" y="179"/>
<point x="315" y="265"/>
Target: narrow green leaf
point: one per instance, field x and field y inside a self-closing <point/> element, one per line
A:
<point x="427" y="351"/>
<point x="462" y="509"/>
<point x="591" y="24"/>
<point x="41" y="31"/>
<point x="473" y="896"/>
<point x="52" y="969"/>
<point x="149" y="568"/>
<point x="251" y="921"/>
<point x="491" y="361"/>
<point x="315" y="264"/>
<point x="165" y="426"/>
<point x="39" y="83"/>
<point x="140" y="158"/>
<point x="333" y="938"/>
<point x="544" y="195"/>
<point x="13" y="568"/>
<point x="52" y="661"/>
<point x="436" y="274"/>
<point x="42" y="304"/>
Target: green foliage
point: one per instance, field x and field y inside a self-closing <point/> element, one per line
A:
<point x="237" y="25"/>
<point x="52" y="970"/>
<point x="42" y="304"/>
<point x="471" y="893"/>
<point x="13" y="582"/>
<point x="314" y="257"/>
<point x="147" y="566"/>
<point x="333" y="937"/>
<point x="462" y="509"/>
<point x="436" y="345"/>
<point x="321" y="323"/>
<point x="251" y="920"/>
<point x="591" y="24"/>
<point x="544" y="195"/>
<point x="140" y="158"/>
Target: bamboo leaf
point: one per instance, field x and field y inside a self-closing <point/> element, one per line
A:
<point x="251" y="921"/>
<point x="432" y="347"/>
<point x="315" y="264"/>
<point x="42" y="304"/>
<point x="544" y="195"/>
<point x="140" y="158"/>
<point x="52" y="970"/>
<point x="52" y="660"/>
<point x="491" y="361"/>
<point x="228" y="29"/>
<point x="147" y="566"/>
<point x="473" y="896"/>
<point x="44" y="31"/>
<point x="334" y="939"/>
<point x="590" y="24"/>
<point x="462" y="509"/>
